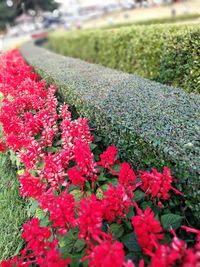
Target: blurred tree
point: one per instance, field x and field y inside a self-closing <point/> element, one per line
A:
<point x="45" y="5"/>
<point x="7" y="14"/>
<point x="10" y="9"/>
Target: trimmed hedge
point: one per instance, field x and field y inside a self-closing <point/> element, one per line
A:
<point x="12" y="211"/>
<point x="165" y="53"/>
<point x="152" y="124"/>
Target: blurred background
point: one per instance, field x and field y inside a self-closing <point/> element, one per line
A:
<point x="21" y="20"/>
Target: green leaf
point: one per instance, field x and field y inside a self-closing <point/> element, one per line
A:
<point x="93" y="146"/>
<point x="32" y="208"/>
<point x="117" y="230"/>
<point x="99" y="193"/>
<point x="116" y="167"/>
<point x="75" y="260"/>
<point x="114" y="181"/>
<point x="39" y="213"/>
<point x="171" y="221"/>
<point x="77" y="194"/>
<point x="130" y="213"/>
<point x="79" y="245"/>
<point x="130" y="242"/>
<point x="101" y="178"/>
<point x="52" y="149"/>
<point x="104" y="187"/>
<point x="66" y="243"/>
<point x="138" y="195"/>
<point x="45" y="221"/>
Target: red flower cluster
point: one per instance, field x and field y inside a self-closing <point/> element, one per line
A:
<point x="116" y="203"/>
<point x="107" y="254"/>
<point x="58" y="164"/>
<point x="158" y="184"/>
<point x="148" y="229"/>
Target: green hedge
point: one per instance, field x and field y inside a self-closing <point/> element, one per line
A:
<point x="165" y="53"/>
<point x="12" y="211"/>
<point x="152" y="124"/>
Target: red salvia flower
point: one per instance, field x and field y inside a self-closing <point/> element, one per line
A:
<point x="61" y="209"/>
<point x="116" y="203"/>
<point x="76" y="176"/>
<point x="147" y="228"/>
<point x="107" y="254"/>
<point x="158" y="184"/>
<point x="108" y="157"/>
<point x="90" y="218"/>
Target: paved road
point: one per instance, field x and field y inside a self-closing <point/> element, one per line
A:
<point x="12" y="42"/>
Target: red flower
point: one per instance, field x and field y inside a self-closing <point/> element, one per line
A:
<point x="107" y="254"/>
<point x="169" y="255"/>
<point x="76" y="177"/>
<point x="90" y="218"/>
<point x="53" y="259"/>
<point x="61" y="209"/>
<point x="53" y="170"/>
<point x="158" y="184"/>
<point x="84" y="159"/>
<point x="37" y="237"/>
<point x="148" y="229"/>
<point x="127" y="176"/>
<point x="116" y="203"/>
<point x="31" y="186"/>
<point x="192" y="230"/>
<point x="108" y="157"/>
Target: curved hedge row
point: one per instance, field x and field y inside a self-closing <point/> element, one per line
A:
<point x="155" y="124"/>
<point x="165" y="53"/>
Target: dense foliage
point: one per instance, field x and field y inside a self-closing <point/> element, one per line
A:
<point x="89" y="212"/>
<point x="152" y="125"/>
<point x="164" y="53"/>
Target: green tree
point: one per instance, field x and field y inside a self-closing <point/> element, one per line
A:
<point x="10" y="9"/>
<point x="7" y="14"/>
<point x="37" y="5"/>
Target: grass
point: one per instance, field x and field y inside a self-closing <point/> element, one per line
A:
<point x="12" y="210"/>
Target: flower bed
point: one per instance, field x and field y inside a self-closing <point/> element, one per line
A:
<point x="90" y="209"/>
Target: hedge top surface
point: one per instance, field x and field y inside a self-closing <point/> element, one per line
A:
<point x="165" y="117"/>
